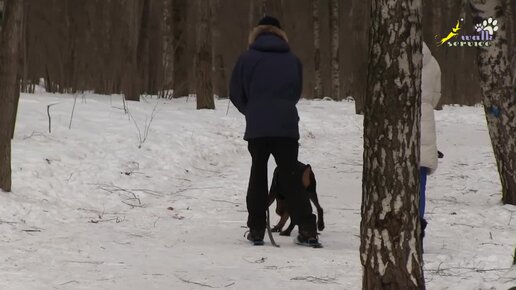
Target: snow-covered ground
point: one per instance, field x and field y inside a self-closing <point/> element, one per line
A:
<point x="91" y="210"/>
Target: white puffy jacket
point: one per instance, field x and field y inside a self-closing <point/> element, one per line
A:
<point x="430" y="95"/>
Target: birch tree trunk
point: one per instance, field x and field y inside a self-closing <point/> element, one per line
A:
<point x="334" y="45"/>
<point x="10" y="39"/>
<point x="499" y="95"/>
<point x="318" y="92"/>
<point x="203" y="76"/>
<point x="390" y="248"/>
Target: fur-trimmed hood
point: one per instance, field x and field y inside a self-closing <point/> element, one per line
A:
<point x="269" y="29"/>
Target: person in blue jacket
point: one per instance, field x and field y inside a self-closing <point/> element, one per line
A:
<point x="265" y="86"/>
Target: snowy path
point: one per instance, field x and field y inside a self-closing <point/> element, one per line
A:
<point x="83" y="233"/>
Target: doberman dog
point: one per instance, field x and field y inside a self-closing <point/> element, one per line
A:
<point x="309" y="184"/>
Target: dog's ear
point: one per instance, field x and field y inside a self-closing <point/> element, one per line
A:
<point x="306" y="176"/>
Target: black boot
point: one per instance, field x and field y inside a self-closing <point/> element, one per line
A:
<point x="256" y="236"/>
<point x="308" y="237"/>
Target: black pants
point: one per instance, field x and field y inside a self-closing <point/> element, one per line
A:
<point x="285" y="151"/>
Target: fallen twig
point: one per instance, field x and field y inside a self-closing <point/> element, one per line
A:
<point x="317" y="280"/>
<point x="207" y="170"/>
<point x="85" y="262"/>
<point x="443" y="271"/>
<point x="7" y="222"/>
<point x="101" y="220"/>
<point x="259" y="261"/>
<point x="69" y="282"/>
<point x="193" y="282"/>
<point x="148" y="191"/>
<point x="196" y="188"/>
<point x="132" y="205"/>
<point x="117" y="189"/>
<point x="230" y="284"/>
<point x="466" y="225"/>
<point x="31" y="231"/>
<point x="226" y="201"/>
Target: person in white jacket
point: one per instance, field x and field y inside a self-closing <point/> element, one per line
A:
<point x="430" y="95"/>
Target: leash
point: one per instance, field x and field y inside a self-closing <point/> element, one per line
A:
<point x="269" y="231"/>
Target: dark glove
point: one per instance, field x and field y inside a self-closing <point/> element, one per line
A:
<point x="440" y="154"/>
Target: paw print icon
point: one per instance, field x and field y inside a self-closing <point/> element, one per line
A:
<point x="490" y="25"/>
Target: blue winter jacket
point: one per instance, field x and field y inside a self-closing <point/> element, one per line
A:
<point x="266" y="85"/>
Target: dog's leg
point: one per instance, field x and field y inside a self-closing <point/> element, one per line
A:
<point x="312" y="191"/>
<point x="281" y="210"/>
<point x="281" y="223"/>
<point x="273" y="196"/>
<point x="273" y="191"/>
<point x="288" y="230"/>
<point x="320" y="213"/>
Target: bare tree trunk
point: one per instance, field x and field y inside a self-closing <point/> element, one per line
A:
<point x="9" y="86"/>
<point x="498" y="90"/>
<point x="251" y="14"/>
<point x="257" y="9"/>
<point x="204" y="85"/>
<point x="25" y="58"/>
<point x="142" y="50"/>
<point x="273" y="8"/>
<point x="262" y="8"/>
<point x="359" y="47"/>
<point x="180" y="28"/>
<point x="390" y="248"/>
<point x="318" y="89"/>
<point x="219" y="70"/>
<point x="168" y="51"/>
<point x="131" y="83"/>
<point x="334" y="44"/>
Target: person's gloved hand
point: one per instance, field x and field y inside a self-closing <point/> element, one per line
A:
<point x="440" y="154"/>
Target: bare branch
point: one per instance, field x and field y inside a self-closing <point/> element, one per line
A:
<point x="49" y="118"/>
<point x="73" y="110"/>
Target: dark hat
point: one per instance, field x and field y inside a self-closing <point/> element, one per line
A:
<point x="269" y="20"/>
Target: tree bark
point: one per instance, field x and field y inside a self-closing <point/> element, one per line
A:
<point x="390" y="248"/>
<point x="142" y="48"/>
<point x="168" y="51"/>
<point x="9" y="86"/>
<point x="498" y="90"/>
<point x="359" y="47"/>
<point x="131" y="82"/>
<point x="219" y="70"/>
<point x="334" y="44"/>
<point x="204" y="85"/>
<point x="318" y="89"/>
<point x="180" y="28"/>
